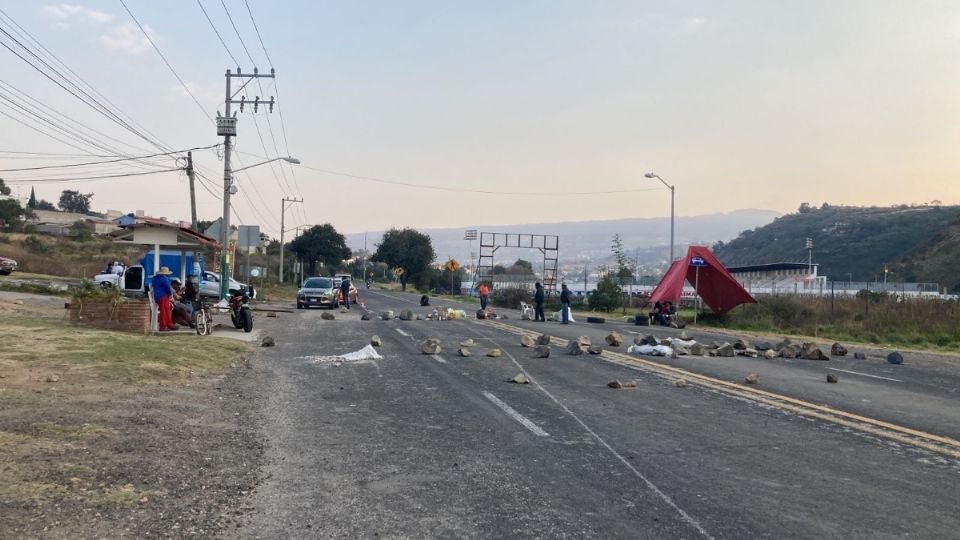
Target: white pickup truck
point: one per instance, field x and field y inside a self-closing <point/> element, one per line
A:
<point x="132" y="281"/>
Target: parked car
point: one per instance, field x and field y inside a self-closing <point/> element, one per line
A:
<point x="7" y="265"/>
<point x="317" y="291"/>
<point x="210" y="286"/>
<point x="337" y="280"/>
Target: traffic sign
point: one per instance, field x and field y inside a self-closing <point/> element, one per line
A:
<point x="697" y="261"/>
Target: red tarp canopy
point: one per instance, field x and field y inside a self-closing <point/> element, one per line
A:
<point x="716" y="286"/>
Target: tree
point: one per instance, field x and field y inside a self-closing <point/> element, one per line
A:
<point x="204" y="224"/>
<point x="32" y="203"/>
<point x="607" y="297"/>
<point x="45" y="205"/>
<point x="11" y="213"/>
<point x="74" y="201"/>
<point x="408" y="249"/>
<point x="522" y="267"/>
<point x="81" y="230"/>
<point x="4" y="190"/>
<point x="323" y="244"/>
<point x="619" y="254"/>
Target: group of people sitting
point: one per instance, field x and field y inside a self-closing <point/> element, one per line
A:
<point x="175" y="301"/>
<point x="663" y="313"/>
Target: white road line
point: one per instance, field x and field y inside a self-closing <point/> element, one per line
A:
<point x="653" y="487"/>
<point x="438" y="358"/>
<point x="524" y="421"/>
<point x="864" y="374"/>
<point x="402" y="333"/>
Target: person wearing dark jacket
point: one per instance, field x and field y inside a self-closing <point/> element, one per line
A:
<point x="538" y="298"/>
<point x="190" y="290"/>
<point x="564" y="304"/>
<point x="345" y="292"/>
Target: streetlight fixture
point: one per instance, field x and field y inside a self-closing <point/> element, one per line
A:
<point x="672" y="208"/>
<point x="288" y="159"/>
<point x="225" y="223"/>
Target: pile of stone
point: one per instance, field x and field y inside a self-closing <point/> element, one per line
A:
<point x="579" y="346"/>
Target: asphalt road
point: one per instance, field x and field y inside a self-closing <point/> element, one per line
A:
<point x="439" y="446"/>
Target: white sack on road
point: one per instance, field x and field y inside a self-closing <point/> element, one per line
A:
<point x="366" y="353"/>
<point x="651" y="350"/>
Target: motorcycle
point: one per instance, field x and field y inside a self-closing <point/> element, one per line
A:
<point x="240" y="313"/>
<point x="369" y="282"/>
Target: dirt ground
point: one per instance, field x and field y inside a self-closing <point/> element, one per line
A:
<point x="87" y="456"/>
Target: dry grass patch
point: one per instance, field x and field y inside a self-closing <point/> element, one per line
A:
<point x="29" y="491"/>
<point x="75" y="468"/>
<point x="126" y="495"/>
<point x="83" y="430"/>
<point x="115" y="355"/>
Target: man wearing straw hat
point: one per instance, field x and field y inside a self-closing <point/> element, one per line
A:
<point x="162" y="292"/>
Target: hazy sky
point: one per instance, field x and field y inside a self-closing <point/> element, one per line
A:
<point x="740" y="104"/>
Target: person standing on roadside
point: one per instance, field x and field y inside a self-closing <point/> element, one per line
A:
<point x="484" y="295"/>
<point x="345" y="292"/>
<point x="564" y="304"/>
<point x="162" y="291"/>
<point x="538" y="298"/>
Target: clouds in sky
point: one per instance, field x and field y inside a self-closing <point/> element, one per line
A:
<point x="127" y="38"/>
<point x="65" y="14"/>
<point x="122" y="37"/>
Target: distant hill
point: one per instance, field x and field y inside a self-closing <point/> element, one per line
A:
<point x="591" y="239"/>
<point x="936" y="260"/>
<point x="915" y="243"/>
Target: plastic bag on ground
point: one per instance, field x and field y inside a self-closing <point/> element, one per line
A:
<point x="650" y="350"/>
<point x="366" y="353"/>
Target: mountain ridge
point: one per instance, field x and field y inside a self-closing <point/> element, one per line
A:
<point x="591" y="239"/>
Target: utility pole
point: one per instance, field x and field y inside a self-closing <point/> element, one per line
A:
<point x="283" y="209"/>
<point x="193" y="214"/>
<point x="227" y="127"/>
<point x="193" y="193"/>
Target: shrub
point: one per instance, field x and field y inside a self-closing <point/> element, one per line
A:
<point x="607" y="297"/>
<point x="510" y="297"/>
<point x="33" y="244"/>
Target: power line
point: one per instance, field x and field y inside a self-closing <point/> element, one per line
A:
<point x="283" y="125"/>
<point x="164" y="58"/>
<point x="217" y="32"/>
<point x="257" y="30"/>
<point x="242" y="44"/>
<point x="78" y="126"/>
<point x="52" y="155"/>
<point x="88" y="100"/>
<point x="40" y="131"/>
<point x="108" y="160"/>
<point x="81" y="178"/>
<point x="22" y="32"/>
<point x="286" y="184"/>
<point x="75" y="133"/>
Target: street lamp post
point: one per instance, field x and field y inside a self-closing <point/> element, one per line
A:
<point x="230" y="189"/>
<point x="672" y="208"/>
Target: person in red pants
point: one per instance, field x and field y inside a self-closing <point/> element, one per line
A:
<point x="162" y="292"/>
